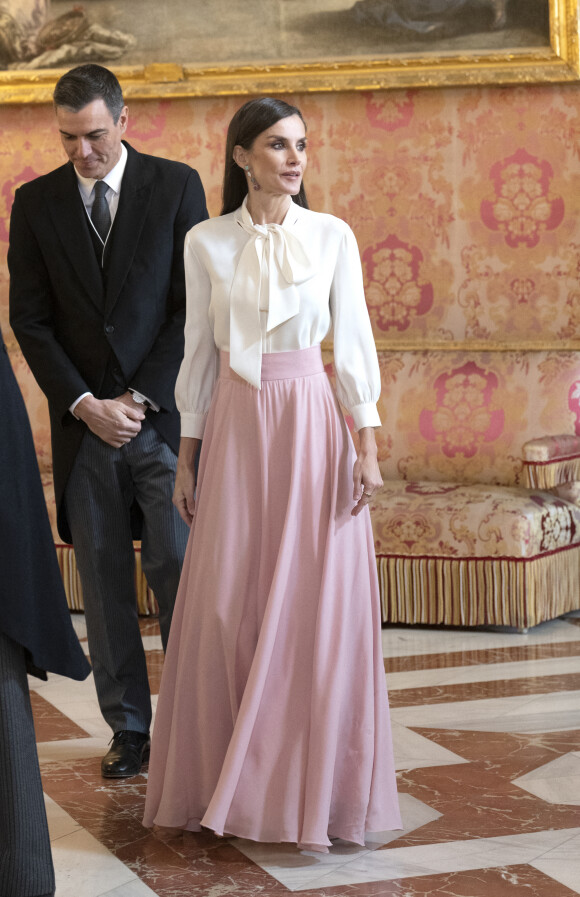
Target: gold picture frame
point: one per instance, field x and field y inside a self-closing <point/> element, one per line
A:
<point x="558" y="62"/>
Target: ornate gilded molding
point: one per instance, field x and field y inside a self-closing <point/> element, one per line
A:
<point x="558" y="63"/>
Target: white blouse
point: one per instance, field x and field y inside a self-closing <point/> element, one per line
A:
<point x="274" y="288"/>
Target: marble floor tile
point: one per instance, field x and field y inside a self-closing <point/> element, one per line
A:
<point x="60" y="689"/>
<point x="413" y="750"/>
<point x="532" y="713"/>
<point x="557" y="782"/>
<point x="511" y="881"/>
<point x="487" y="656"/>
<point x="60" y="824"/>
<point x="82" y="865"/>
<point x="305" y="870"/>
<point x="135" y="888"/>
<point x="480" y="690"/>
<point x="486" y="672"/>
<point x="79" y="625"/>
<point x="562" y="863"/>
<point x="49" y="723"/>
<point x="66" y="752"/>
<point x="405" y="862"/>
<point x="148" y="626"/>
<point x="153" y="642"/>
<point x="414" y="640"/>
<point x="486" y="730"/>
<point x="479" y="799"/>
<point x="154" y="669"/>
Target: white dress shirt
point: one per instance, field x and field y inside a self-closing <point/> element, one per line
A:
<point x="113" y="180"/>
<point x="274" y="288"/>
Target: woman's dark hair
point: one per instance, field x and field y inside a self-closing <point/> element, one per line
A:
<point x="250" y="120"/>
<point x="85" y="83"/>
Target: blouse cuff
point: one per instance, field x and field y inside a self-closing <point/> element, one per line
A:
<point x="365" y="415"/>
<point x="193" y="425"/>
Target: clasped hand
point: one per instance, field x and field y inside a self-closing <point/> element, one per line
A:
<point x="115" y="421"/>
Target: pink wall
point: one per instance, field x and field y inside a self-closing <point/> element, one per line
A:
<point x="465" y="202"/>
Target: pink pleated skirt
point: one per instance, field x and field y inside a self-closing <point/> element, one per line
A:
<point x="272" y="722"/>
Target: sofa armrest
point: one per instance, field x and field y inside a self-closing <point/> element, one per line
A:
<point x="551" y="461"/>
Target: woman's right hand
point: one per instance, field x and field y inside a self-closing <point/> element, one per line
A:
<point x="184" y="491"/>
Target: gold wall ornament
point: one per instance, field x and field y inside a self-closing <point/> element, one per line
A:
<point x="558" y="62"/>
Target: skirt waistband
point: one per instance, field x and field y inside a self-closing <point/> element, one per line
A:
<point x="280" y="365"/>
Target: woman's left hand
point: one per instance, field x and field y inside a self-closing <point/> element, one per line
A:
<point x="366" y="475"/>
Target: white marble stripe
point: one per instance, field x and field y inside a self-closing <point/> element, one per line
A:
<point x="69" y="750"/>
<point x="413" y="751"/>
<point x="556" y="782"/>
<point x="84" y="866"/>
<point x="553" y="712"/>
<point x="431" y="859"/>
<point x="284" y="861"/>
<point x="486" y="672"/>
<point x="562" y="863"/>
<point x="411" y="640"/>
<point x="136" y="888"/>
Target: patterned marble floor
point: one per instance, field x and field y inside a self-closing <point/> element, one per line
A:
<point x="487" y="743"/>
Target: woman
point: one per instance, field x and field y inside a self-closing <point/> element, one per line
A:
<point x="272" y="722"/>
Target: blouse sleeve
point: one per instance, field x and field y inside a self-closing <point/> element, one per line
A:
<point x="355" y="355"/>
<point x="200" y="365"/>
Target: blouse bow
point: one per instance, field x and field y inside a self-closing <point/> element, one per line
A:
<point x="272" y="264"/>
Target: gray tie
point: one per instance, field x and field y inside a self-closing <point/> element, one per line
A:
<point x="100" y="214"/>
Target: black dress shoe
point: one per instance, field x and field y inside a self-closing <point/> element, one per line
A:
<point x="126" y="756"/>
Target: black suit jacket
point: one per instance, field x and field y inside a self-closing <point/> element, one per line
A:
<point x="33" y="609"/>
<point x="74" y="329"/>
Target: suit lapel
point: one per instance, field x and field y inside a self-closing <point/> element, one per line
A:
<point x="134" y="201"/>
<point x="69" y="218"/>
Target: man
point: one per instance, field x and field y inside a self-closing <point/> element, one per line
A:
<point x="36" y="635"/>
<point x="97" y="302"/>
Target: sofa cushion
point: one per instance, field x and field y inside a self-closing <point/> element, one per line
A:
<point x="471" y="521"/>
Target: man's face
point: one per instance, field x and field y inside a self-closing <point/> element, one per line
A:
<point x="90" y="137"/>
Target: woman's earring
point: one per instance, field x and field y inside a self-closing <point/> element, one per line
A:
<point x="255" y="184"/>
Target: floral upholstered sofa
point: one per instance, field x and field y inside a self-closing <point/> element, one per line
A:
<point x="478" y="522"/>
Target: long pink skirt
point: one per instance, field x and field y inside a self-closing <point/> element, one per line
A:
<point x="273" y="722"/>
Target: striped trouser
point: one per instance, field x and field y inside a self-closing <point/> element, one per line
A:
<point x="103" y="485"/>
<point x="26" y="868"/>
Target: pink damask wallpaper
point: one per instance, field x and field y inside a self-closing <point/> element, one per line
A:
<point x="466" y="206"/>
<point x="465" y="202"/>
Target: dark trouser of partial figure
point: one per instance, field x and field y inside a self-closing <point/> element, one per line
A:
<point x="26" y="868"/>
<point x="103" y="485"/>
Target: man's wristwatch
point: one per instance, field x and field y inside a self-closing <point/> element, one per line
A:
<point x="140" y="399"/>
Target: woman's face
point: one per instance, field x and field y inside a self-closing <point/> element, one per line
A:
<point x="277" y="159"/>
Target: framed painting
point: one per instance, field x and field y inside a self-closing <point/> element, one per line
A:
<point x="179" y="48"/>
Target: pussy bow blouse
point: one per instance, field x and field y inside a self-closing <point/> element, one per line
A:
<point x="274" y="288"/>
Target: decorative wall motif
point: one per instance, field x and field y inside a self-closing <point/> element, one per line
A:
<point x="463" y="416"/>
<point x="396" y="290"/>
<point x="523" y="206"/>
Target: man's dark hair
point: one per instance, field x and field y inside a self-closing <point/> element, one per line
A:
<point x="85" y="83"/>
<point x="250" y="120"/>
